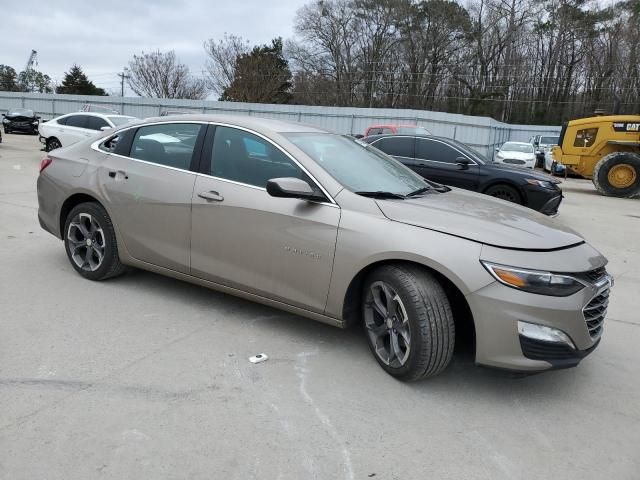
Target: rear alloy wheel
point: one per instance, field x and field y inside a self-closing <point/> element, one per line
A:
<point x="52" y="144"/>
<point x="408" y="321"/>
<point x="504" y="192"/>
<point x="90" y="242"/>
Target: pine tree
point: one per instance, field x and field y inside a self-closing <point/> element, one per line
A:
<point x="75" y="82"/>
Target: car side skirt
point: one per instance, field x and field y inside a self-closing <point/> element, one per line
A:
<point x="236" y="292"/>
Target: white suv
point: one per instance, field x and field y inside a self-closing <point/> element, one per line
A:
<point x="73" y="127"/>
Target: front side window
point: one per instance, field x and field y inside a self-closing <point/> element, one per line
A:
<point x="358" y="167"/>
<point x="246" y="158"/>
<point x="585" y="138"/>
<point x="96" y="123"/>
<point x="170" y="144"/>
<point x="436" y="151"/>
<point x="79" y="121"/>
<point x="396" y="146"/>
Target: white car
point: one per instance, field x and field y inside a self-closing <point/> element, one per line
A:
<point x="73" y="127"/>
<point x="520" y="154"/>
<point x="550" y="165"/>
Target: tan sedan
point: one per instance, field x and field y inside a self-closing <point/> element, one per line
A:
<point x="321" y="225"/>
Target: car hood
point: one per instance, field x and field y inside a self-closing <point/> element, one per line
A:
<point x="522" y="172"/>
<point x="19" y="118"/>
<point x="481" y="218"/>
<point x="517" y="155"/>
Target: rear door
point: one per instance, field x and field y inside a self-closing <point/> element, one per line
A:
<point x="148" y="188"/>
<point x="280" y="248"/>
<point x="438" y="161"/>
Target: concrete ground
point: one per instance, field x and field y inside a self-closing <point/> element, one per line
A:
<point x="148" y="377"/>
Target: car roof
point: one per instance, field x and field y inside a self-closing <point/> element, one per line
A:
<point x="253" y="123"/>
<point x="414" y="135"/>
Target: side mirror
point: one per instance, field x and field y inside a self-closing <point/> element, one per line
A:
<point x="463" y="162"/>
<point x="290" y="187"/>
<point x="497" y="149"/>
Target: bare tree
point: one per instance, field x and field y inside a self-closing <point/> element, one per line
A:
<point x="221" y="60"/>
<point x="160" y="75"/>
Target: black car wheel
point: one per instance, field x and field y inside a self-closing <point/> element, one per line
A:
<point x="504" y="192"/>
<point x="52" y="144"/>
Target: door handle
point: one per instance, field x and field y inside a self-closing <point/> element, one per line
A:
<point x="211" y="196"/>
<point x="120" y="174"/>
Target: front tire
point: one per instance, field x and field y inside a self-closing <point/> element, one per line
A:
<point x="408" y="321"/>
<point x="90" y="242"/>
<point x="504" y="192"/>
<point x="618" y="175"/>
<point x="52" y="144"/>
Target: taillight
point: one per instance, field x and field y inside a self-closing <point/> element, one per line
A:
<point x="46" y="161"/>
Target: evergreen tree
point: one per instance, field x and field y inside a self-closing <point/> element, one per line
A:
<point x="75" y="82"/>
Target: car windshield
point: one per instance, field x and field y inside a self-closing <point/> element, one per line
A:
<point x="120" y="120"/>
<point x="356" y="165"/>
<point x="21" y="112"/>
<point x="549" y="140"/>
<point x="517" y="147"/>
<point x="413" y="130"/>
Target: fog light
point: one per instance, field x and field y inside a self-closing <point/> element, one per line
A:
<point x="544" y="333"/>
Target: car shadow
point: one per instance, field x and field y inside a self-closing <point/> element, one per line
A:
<point x="462" y="378"/>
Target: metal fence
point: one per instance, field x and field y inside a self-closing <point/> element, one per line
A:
<point x="482" y="133"/>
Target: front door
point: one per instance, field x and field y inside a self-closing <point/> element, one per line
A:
<point x="280" y="248"/>
<point x="149" y="191"/>
<point x="438" y="161"/>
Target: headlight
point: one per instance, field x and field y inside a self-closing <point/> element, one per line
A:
<point x="5" y="120"/>
<point x="499" y="155"/>
<point x="540" y="183"/>
<point x="35" y="122"/>
<point x="534" y="281"/>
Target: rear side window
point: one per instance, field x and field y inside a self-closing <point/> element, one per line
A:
<point x="79" y="121"/>
<point x="436" y="151"/>
<point x="170" y="144"/>
<point x="96" y="123"/>
<point x="396" y="146"/>
<point x="62" y="121"/>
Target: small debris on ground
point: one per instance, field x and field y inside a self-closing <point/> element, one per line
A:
<point x="259" y="358"/>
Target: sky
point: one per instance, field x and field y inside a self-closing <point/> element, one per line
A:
<point x="102" y="37"/>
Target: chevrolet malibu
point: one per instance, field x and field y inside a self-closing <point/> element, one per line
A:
<point x="323" y="226"/>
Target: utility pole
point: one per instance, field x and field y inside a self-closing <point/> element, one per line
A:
<point x="122" y="76"/>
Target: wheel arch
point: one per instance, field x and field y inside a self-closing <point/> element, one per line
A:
<point x="462" y="315"/>
<point x="70" y="202"/>
<point x="508" y="182"/>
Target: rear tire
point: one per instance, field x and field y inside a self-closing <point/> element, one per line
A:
<point x="90" y="242"/>
<point x="504" y="192"/>
<point x="618" y="175"/>
<point x="408" y="321"/>
<point x="52" y="144"/>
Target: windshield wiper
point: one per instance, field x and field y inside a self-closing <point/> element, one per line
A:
<point x="419" y="191"/>
<point x="381" y="194"/>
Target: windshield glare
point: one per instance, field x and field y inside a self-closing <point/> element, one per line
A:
<point x="517" y="147"/>
<point x="358" y="167"/>
<point x="21" y="112"/>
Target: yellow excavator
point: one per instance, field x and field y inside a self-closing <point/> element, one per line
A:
<point x="605" y="149"/>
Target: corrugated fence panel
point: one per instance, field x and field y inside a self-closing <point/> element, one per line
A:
<point x="482" y="133"/>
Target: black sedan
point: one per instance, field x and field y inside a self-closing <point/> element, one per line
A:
<point x="21" y="120"/>
<point x="455" y="164"/>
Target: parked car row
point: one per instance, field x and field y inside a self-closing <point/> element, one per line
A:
<point x="329" y="227"/>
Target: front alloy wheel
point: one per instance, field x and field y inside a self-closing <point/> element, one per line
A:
<point x="387" y="325"/>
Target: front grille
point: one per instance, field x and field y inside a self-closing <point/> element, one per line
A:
<point x="514" y="161"/>
<point x="595" y="312"/>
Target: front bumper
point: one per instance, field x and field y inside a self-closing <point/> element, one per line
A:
<point x="497" y="310"/>
<point x="544" y="200"/>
